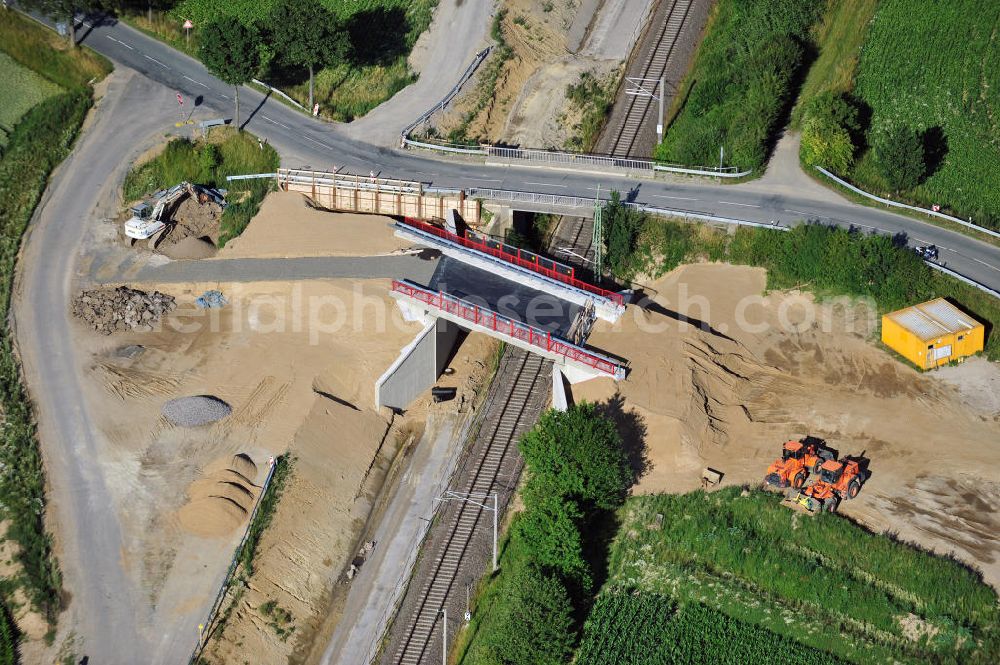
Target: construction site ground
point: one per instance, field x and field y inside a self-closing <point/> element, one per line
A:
<point x="551" y="45"/>
<point x="763" y="369"/>
<point x="296" y="360"/>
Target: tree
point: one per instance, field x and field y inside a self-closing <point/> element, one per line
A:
<point x="551" y="535"/>
<point x="65" y="10"/>
<point x="899" y="154"/>
<point x="828" y="131"/>
<point x="534" y="625"/>
<point x="578" y="454"/>
<point x="306" y="34"/>
<point x="622" y="227"/>
<point x="229" y="50"/>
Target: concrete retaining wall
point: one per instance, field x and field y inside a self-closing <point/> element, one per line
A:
<point x="418" y="366"/>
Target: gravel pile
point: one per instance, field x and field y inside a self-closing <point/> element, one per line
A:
<point x="196" y="410"/>
<point x="122" y="309"/>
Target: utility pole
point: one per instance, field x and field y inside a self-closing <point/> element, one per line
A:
<point x="653" y="89"/>
<point x="472" y="498"/>
<point x="597" y="241"/>
<point x="444" y="636"/>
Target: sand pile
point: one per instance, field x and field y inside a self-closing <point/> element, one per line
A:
<point x="222" y="499"/>
<point x="196" y="410"/>
<point x="190" y="248"/>
<point x="121" y="309"/>
<point x="288" y="226"/>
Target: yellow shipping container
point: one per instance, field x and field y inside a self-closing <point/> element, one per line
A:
<point x="932" y="333"/>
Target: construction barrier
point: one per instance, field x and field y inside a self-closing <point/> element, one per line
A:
<point x="523" y="332"/>
<point x="515" y="256"/>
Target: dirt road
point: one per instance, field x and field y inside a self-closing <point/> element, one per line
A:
<point x="105" y="602"/>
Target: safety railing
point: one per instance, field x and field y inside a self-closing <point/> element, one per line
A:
<point x="522" y="258"/>
<point x="342" y="180"/>
<point x="523" y="332"/>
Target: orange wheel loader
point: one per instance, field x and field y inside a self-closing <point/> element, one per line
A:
<point x="838" y="480"/>
<point x="798" y="459"/>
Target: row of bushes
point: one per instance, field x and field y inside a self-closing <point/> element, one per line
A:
<point x="208" y="162"/>
<point x="744" y="76"/>
<point x="829" y="260"/>
<point x="643" y="628"/>
<point x="577" y="474"/>
<point x="833" y="582"/>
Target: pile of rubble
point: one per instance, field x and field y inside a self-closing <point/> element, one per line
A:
<point x="121" y="309"/>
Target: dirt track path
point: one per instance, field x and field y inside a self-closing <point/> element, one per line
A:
<point x="109" y="615"/>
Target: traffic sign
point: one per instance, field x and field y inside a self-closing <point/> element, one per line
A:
<point x="188" y="24"/>
<point x="180" y="100"/>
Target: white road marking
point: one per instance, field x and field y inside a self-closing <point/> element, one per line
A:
<point x="676" y="198"/>
<point x="543" y="184"/>
<point x="484" y="180"/>
<point x="227" y="97"/>
<point x="798" y="212"/>
<point x="988" y="265"/>
<point x="120" y="42"/>
<point x="745" y="205"/>
<point x="193" y="81"/>
<point x="271" y="120"/>
<point x="155" y="60"/>
<point x="317" y="142"/>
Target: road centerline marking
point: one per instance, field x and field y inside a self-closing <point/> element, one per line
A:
<point x="676" y="198"/>
<point x="745" y="205"/>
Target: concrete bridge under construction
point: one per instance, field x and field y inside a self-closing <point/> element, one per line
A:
<point x="521" y="298"/>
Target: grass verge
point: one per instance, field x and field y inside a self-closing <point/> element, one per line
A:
<point x="223" y="153"/>
<point x="42" y="138"/>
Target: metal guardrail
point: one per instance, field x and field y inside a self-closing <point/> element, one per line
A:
<point x="578" y="202"/>
<point x="347" y="181"/>
<point x="897" y="204"/>
<point x="963" y="278"/>
<point x="280" y="94"/>
<point x="557" y="160"/>
<point x="509" y="327"/>
<point x="469" y="71"/>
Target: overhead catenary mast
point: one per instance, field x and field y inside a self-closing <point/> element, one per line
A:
<point x="598" y="240"/>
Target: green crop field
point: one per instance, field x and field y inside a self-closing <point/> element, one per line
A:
<point x="23" y="89"/>
<point x="752" y="570"/>
<point x="382" y="34"/>
<point x="936" y="70"/>
<point x="644" y="628"/>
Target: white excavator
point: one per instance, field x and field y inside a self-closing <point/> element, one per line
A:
<point x="149" y="217"/>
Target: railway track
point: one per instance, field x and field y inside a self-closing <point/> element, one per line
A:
<point x="656" y="55"/>
<point x="513" y="405"/>
<point x="621" y="136"/>
<point x="457" y="549"/>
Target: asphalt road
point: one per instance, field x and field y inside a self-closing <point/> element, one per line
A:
<point x="306" y="142"/>
<point x="112" y="618"/>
